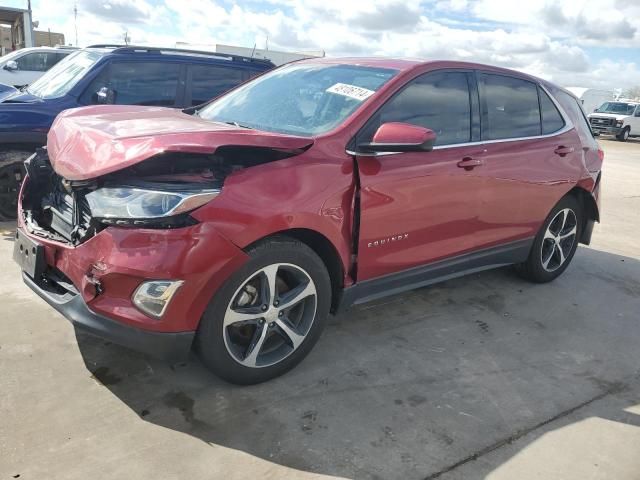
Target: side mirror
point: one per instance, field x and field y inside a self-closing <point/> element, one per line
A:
<point x="11" y="65"/>
<point x="400" y="137"/>
<point x="105" y="96"/>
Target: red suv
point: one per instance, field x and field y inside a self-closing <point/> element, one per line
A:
<point x="238" y="226"/>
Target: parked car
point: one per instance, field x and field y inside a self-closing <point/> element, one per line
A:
<point x="621" y="119"/>
<point x="237" y="227"/>
<point x="104" y="74"/>
<point x="22" y="67"/>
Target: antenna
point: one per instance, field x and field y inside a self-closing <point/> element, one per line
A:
<point x="75" y="19"/>
<point x="254" y="50"/>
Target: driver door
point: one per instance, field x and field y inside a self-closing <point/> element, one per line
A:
<point x="421" y="207"/>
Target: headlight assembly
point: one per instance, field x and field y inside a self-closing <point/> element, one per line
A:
<point x="132" y="203"/>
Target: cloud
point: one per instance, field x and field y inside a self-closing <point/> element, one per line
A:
<point x="118" y="10"/>
<point x="546" y="38"/>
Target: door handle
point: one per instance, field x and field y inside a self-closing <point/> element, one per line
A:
<point x="562" y="151"/>
<point x="469" y="163"/>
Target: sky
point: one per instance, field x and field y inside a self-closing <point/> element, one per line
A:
<point x="586" y="43"/>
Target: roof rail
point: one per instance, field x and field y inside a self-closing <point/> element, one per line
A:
<point x="178" y="51"/>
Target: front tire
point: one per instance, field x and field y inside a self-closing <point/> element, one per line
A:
<point x="555" y="244"/>
<point x="268" y="315"/>
<point x="624" y="135"/>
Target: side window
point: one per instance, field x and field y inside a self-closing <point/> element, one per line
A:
<point x="510" y="107"/>
<point x="209" y="81"/>
<point x="137" y="83"/>
<point x="571" y="106"/>
<point x="638" y="111"/>
<point x="55" y="58"/>
<point x="33" y="62"/>
<point x="552" y="121"/>
<point x="439" y="101"/>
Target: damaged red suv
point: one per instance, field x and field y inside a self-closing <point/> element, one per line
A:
<point x="238" y="226"/>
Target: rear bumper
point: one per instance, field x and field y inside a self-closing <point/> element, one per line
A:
<point x="173" y="346"/>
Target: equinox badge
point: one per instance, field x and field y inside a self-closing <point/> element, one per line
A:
<point x="383" y="241"/>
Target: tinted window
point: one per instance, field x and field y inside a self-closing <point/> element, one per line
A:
<point x="551" y="119"/>
<point x="572" y="108"/>
<point x="510" y="108"/>
<point x="35" y="62"/>
<point x="139" y="83"/>
<point x="439" y="101"/>
<point x="208" y="82"/>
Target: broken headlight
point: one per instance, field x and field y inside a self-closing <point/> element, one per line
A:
<point x="134" y="206"/>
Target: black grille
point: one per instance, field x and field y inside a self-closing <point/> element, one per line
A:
<point x="601" y="122"/>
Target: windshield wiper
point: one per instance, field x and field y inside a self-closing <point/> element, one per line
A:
<point x="239" y="125"/>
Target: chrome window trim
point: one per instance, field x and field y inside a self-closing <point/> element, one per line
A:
<point x="568" y="126"/>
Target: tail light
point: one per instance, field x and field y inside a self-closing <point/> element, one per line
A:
<point x="600" y="154"/>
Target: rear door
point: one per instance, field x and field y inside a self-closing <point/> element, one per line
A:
<point x="419" y="207"/>
<point x="635" y="122"/>
<point x="531" y="158"/>
<point x="205" y="82"/>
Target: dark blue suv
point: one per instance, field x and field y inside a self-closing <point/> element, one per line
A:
<point x="108" y="74"/>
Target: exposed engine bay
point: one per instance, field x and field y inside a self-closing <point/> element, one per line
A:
<point x="61" y="210"/>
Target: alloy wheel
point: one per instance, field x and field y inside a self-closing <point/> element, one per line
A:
<point x="559" y="239"/>
<point x="270" y="315"/>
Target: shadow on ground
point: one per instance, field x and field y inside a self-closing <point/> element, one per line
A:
<point x="412" y="385"/>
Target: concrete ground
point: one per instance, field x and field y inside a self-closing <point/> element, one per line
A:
<point x="481" y="377"/>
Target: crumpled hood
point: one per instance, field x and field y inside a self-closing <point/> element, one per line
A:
<point x="617" y="116"/>
<point x="89" y="142"/>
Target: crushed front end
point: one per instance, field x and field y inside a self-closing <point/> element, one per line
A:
<point x="120" y="255"/>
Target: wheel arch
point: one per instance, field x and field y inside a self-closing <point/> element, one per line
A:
<point x="590" y="208"/>
<point x="325" y="249"/>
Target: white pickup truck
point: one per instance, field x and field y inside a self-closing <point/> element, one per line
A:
<point x="620" y="118"/>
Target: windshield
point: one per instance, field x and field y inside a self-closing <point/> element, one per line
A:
<point x="64" y="75"/>
<point x="616" y="107"/>
<point x="303" y="99"/>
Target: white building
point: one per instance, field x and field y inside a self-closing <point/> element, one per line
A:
<point x="277" y="57"/>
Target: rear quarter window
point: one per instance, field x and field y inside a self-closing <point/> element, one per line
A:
<point x="576" y="114"/>
<point x="552" y="120"/>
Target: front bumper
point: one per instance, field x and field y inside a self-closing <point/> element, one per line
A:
<point x="606" y="130"/>
<point x="172" y="347"/>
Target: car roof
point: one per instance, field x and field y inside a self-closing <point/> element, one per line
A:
<point x="183" y="53"/>
<point x="45" y="48"/>
<point x="405" y="64"/>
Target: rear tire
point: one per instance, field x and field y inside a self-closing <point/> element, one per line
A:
<point x="624" y="135"/>
<point x="555" y="244"/>
<point x="268" y="315"/>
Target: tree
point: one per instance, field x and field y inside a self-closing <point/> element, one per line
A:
<point x="633" y="92"/>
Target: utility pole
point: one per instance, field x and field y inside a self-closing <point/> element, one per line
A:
<point x="75" y="21"/>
